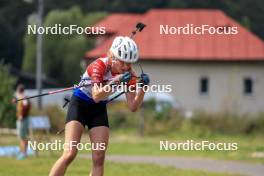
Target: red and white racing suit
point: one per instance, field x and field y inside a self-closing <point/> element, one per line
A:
<point x="98" y="72"/>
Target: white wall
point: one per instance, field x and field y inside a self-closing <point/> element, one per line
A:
<point x="225" y="87"/>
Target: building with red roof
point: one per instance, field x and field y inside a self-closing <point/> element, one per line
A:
<point x="214" y="72"/>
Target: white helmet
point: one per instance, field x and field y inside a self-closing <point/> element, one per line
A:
<point x="125" y="49"/>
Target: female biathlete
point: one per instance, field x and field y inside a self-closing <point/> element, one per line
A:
<point x="88" y="104"/>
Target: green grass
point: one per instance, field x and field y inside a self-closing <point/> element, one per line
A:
<point x="40" y="166"/>
<point x="127" y="142"/>
<point x="132" y="144"/>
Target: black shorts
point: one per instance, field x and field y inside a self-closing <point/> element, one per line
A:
<point x="90" y="114"/>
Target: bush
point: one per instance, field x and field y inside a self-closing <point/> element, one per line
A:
<point x="164" y="120"/>
<point x="226" y="123"/>
<point x="169" y="120"/>
<point x="7" y="109"/>
<point x="120" y="116"/>
<point x="56" y="116"/>
<point x="257" y="124"/>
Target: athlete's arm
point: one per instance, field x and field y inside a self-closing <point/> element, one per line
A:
<point x="96" y="71"/>
<point x="102" y="92"/>
<point x="135" y="99"/>
<point x="99" y="94"/>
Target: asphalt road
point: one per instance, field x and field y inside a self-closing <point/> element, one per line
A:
<point x="210" y="165"/>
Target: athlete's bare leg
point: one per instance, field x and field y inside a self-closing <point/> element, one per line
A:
<point x="73" y="132"/>
<point x="98" y="135"/>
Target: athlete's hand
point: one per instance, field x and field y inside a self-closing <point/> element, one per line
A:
<point x="125" y="77"/>
<point x="122" y="78"/>
<point x="144" y="79"/>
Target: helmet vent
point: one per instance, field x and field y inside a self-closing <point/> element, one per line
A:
<point x="130" y="55"/>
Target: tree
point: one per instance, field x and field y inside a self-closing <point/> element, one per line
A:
<point x="13" y="18"/>
<point x="7" y="109"/>
<point x="62" y="53"/>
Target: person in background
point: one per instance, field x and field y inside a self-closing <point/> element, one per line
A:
<point x="22" y="123"/>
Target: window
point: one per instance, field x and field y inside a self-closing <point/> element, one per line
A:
<point x="204" y="85"/>
<point x="248" y="86"/>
